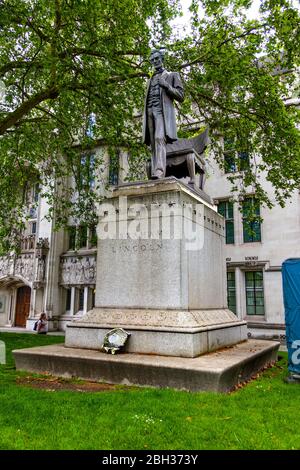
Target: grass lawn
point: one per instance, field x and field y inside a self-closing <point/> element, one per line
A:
<point x="262" y="415"/>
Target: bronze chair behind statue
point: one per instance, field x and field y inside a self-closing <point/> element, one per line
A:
<point x="184" y="159"/>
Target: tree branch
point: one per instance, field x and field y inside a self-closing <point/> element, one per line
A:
<point x="230" y="110"/>
<point x="95" y="53"/>
<point x="121" y="78"/>
<point x="28" y="22"/>
<point x="218" y="46"/>
<point x="37" y="31"/>
<point x="26" y="107"/>
<point x="17" y="64"/>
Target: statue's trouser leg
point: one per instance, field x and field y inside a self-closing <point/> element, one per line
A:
<point x="158" y="143"/>
<point x="202" y="180"/>
<point x="190" y="160"/>
<point x="150" y="121"/>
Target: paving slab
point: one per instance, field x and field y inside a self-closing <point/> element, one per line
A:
<point x="16" y="329"/>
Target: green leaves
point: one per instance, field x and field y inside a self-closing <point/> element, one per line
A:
<point x="61" y="61"/>
<point x="239" y="74"/>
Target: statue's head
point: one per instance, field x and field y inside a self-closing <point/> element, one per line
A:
<point x="156" y="58"/>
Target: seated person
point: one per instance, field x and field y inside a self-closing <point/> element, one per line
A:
<point x="42" y="324"/>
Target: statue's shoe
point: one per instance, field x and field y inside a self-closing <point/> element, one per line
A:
<point x="157" y="176"/>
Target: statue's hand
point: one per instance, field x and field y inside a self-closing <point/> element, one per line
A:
<point x="162" y="82"/>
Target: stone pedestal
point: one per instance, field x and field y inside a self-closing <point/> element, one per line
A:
<point x="161" y="277"/>
<point x="160" y="273"/>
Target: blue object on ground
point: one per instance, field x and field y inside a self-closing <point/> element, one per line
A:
<point x="291" y="298"/>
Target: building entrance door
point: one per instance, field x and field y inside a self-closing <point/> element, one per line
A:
<point x="22" y="306"/>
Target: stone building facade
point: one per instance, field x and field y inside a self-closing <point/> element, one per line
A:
<point x="51" y="273"/>
<point x="254" y="257"/>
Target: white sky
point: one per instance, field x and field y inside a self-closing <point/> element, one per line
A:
<point x="252" y="12"/>
<point x="184" y="20"/>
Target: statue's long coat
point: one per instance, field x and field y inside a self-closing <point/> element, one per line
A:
<point x="167" y="96"/>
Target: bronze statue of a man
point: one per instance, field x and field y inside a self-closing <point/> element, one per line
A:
<point x="159" y="124"/>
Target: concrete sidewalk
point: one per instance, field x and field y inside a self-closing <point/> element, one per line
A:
<point x="15" y="329"/>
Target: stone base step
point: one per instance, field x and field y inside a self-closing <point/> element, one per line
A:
<point x="179" y="333"/>
<point x="219" y="371"/>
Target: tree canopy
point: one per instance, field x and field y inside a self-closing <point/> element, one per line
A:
<point x="63" y="61"/>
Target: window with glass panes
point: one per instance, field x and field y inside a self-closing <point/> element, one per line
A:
<point x="92" y="293"/>
<point x="234" y="160"/>
<point x="229" y="163"/>
<point x="114" y="169"/>
<point x="231" y="291"/>
<point x="254" y="293"/>
<point x="243" y="160"/>
<point x="33" y="228"/>
<point x="92" y="236"/>
<point x="80" y="299"/>
<point x="229" y="156"/>
<point x="35" y="194"/>
<point x="82" y="234"/>
<point x="68" y="299"/>
<point x="225" y="208"/>
<point x="251" y="221"/>
<point x="86" y="175"/>
<point x="72" y="237"/>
